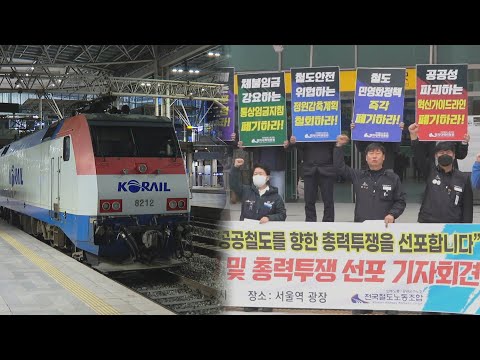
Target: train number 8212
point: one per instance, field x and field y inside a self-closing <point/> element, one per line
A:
<point x="144" y="202"/>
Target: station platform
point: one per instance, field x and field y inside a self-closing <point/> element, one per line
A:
<point x="211" y="199"/>
<point x="36" y="279"/>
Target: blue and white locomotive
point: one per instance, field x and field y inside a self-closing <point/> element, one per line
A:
<point x="111" y="188"/>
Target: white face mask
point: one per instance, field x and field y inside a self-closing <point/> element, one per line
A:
<point x="259" y="180"/>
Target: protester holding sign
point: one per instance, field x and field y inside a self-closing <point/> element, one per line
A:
<point x="315" y="103"/>
<point x="391" y="149"/>
<point x="461" y="150"/>
<point x="448" y="196"/>
<point x="262" y="121"/>
<point x="317" y="171"/>
<point x="441" y="102"/>
<point x="260" y="201"/>
<point x="378" y="191"/>
<point x="379" y="104"/>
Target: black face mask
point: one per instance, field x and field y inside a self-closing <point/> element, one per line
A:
<point x="445" y="160"/>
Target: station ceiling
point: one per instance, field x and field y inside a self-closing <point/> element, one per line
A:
<point x="137" y="61"/>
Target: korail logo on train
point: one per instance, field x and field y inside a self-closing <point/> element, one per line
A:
<point x="16" y="176"/>
<point x="135" y="186"/>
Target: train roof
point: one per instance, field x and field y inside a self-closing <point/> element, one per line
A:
<point x="94" y="119"/>
<point x="127" y="118"/>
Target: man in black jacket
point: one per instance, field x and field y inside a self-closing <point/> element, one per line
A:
<point x="378" y="190"/>
<point x="317" y="171"/>
<point x="260" y="201"/>
<point x="448" y="196"/>
<point x="461" y="150"/>
<point x="391" y="150"/>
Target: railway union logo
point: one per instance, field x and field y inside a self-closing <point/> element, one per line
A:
<point x="135" y="186"/>
<point x="16" y="176"/>
<point x="356" y="300"/>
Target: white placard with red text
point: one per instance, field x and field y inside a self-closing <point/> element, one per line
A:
<point x="407" y="267"/>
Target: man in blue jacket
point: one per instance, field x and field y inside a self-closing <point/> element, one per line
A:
<point x="476" y="173"/>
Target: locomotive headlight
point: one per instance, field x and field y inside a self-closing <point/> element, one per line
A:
<point x="176" y="204"/>
<point x="116" y="205"/>
<point x="142" y="168"/>
<point x="106" y="206"/>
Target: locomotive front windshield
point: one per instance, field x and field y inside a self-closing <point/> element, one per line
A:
<point x="134" y="141"/>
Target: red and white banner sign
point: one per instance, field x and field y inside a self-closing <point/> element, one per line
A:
<point x="442" y="102"/>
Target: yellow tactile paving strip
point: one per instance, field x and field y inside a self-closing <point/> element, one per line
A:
<point x="88" y="297"/>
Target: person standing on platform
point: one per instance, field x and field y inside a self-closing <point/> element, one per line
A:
<point x="448" y="196"/>
<point x="318" y="171"/>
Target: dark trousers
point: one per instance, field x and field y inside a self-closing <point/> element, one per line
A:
<point x="311" y="184"/>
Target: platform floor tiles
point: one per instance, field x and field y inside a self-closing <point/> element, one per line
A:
<point x="37" y="279"/>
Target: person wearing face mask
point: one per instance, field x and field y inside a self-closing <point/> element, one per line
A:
<point x="271" y="156"/>
<point x="260" y="201"/>
<point x="461" y="150"/>
<point x="448" y="196"/>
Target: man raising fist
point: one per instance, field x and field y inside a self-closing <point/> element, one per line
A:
<point x="378" y="190"/>
<point x="261" y="200"/>
<point x="448" y="196"/>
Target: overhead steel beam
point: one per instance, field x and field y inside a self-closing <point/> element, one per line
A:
<point x="77" y="63"/>
<point x="170" y="59"/>
<point x="118" y="86"/>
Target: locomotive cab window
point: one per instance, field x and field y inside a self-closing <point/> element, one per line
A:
<point x="134" y="141"/>
<point x="66" y="148"/>
<point x="50" y="131"/>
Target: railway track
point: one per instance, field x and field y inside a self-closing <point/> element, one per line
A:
<point x="205" y="237"/>
<point x="191" y="288"/>
<point x="178" y="293"/>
